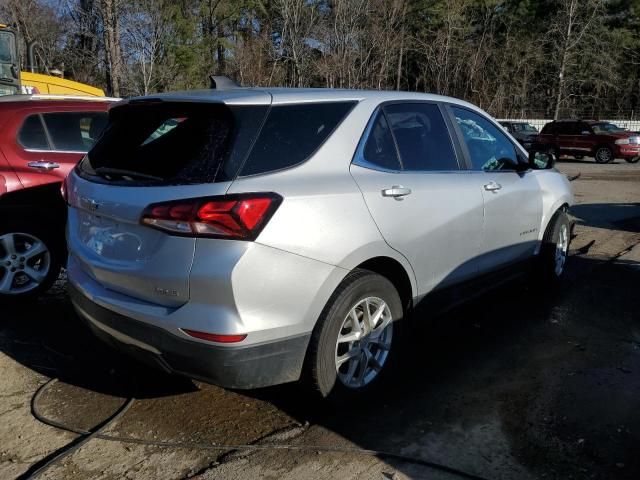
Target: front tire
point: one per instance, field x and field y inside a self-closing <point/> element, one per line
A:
<point x="356" y="340"/>
<point x="555" y="250"/>
<point x="30" y="259"/>
<point x="604" y="155"/>
<point x="633" y="159"/>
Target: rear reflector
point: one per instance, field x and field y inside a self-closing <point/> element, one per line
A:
<point x="239" y="217"/>
<point x="214" y="337"/>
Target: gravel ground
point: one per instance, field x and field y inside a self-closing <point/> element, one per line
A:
<point x="513" y="385"/>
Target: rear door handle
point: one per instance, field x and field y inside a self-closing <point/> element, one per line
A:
<point x="492" y="186"/>
<point x="42" y="165"/>
<point x="397" y="191"/>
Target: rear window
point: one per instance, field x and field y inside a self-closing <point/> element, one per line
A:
<point x="292" y="133"/>
<point x="183" y="143"/>
<point x="173" y="143"/>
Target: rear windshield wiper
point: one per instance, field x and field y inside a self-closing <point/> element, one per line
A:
<point x="105" y="171"/>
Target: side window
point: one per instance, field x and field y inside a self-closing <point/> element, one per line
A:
<point x="31" y="134"/>
<point x="74" y="131"/>
<point x="566" y="128"/>
<point x="583" y="127"/>
<point x="379" y="149"/>
<point x="422" y="137"/>
<point x="488" y="147"/>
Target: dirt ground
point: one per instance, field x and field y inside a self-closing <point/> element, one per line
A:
<point x="515" y="385"/>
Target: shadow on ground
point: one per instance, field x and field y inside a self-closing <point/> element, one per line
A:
<point x="550" y="382"/>
<point x="621" y="216"/>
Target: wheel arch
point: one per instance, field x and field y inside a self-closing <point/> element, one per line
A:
<point x="562" y="204"/>
<point x="43" y="198"/>
<point x="395" y="272"/>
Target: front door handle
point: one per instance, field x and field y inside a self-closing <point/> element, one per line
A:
<point x="43" y="165"/>
<point x="492" y="187"/>
<point x="397" y="191"/>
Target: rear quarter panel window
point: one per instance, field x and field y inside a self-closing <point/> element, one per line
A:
<point x="292" y="133"/>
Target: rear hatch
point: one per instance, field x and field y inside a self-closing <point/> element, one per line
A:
<point x="154" y="150"/>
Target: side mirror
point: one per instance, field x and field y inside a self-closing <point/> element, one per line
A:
<point x="541" y="160"/>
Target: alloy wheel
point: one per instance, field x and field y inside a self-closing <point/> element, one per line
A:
<point x="562" y="247"/>
<point x="604" y="155"/>
<point x="24" y="263"/>
<point x="364" y="342"/>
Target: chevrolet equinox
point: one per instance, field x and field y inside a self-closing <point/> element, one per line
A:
<point x="255" y="236"/>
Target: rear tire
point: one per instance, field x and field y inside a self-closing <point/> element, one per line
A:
<point x="555" y="250"/>
<point x="350" y="351"/>
<point x="30" y="259"/>
<point x="603" y="155"/>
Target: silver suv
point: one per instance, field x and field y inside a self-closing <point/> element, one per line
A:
<point x="250" y="237"/>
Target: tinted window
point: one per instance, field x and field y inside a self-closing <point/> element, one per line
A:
<point x="173" y="143"/>
<point x="488" y="147"/>
<point x="606" y="128"/>
<point x="379" y="149"/>
<point x="291" y="133"/>
<point x="74" y="131"/>
<point x="31" y="135"/>
<point x="422" y="137"/>
<point x="549" y="129"/>
<point x="567" y="128"/>
<point x="582" y="127"/>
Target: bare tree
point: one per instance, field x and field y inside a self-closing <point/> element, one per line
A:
<point x="143" y="35"/>
<point x="570" y="30"/>
<point x="110" y="11"/>
<point x="297" y="19"/>
<point x="43" y="27"/>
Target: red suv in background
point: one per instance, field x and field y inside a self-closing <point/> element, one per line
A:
<point x="604" y="141"/>
<point x="42" y="137"/>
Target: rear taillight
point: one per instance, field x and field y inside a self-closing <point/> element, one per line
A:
<point x="239" y="217"/>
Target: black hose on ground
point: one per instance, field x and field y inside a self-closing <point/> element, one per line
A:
<point x="87" y="435"/>
<point x="38" y="468"/>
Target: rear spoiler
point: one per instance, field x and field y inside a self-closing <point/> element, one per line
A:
<point x="218" y="82"/>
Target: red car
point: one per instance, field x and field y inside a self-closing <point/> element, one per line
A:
<point x="604" y="141"/>
<point x="42" y="137"/>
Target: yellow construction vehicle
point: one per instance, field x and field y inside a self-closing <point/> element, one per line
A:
<point x="13" y="81"/>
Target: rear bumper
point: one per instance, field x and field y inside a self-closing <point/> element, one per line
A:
<point x="242" y="367"/>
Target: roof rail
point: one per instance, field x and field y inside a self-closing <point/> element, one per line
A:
<point x="222" y="82"/>
<point x="42" y="96"/>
